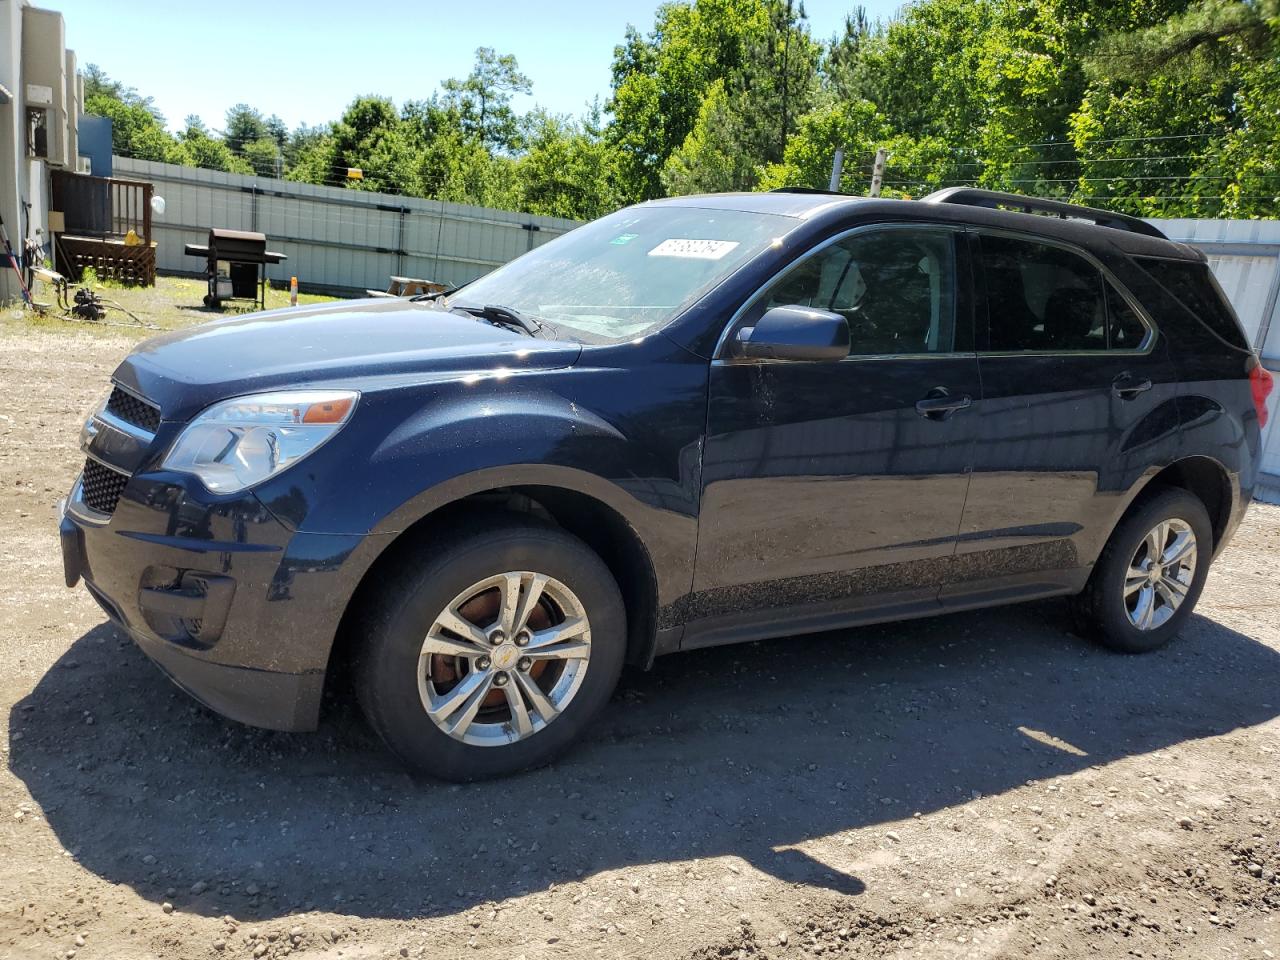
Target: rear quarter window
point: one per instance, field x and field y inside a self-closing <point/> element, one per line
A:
<point x="1193" y="285"/>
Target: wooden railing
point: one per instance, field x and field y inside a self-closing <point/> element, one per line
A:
<point x="131" y="207"/>
<point x="98" y="213"/>
<point x="103" y="207"/>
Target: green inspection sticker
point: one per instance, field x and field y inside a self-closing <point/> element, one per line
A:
<point x="623" y="238"/>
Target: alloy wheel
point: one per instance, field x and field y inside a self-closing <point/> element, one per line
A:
<point x="1160" y="574"/>
<point x="504" y="658"/>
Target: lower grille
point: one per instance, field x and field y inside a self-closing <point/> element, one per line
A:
<point x="100" y="486"/>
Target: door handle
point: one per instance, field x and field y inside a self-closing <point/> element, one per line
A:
<point x="1124" y="387"/>
<point x="938" y="404"/>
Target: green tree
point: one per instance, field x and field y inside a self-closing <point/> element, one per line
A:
<point x="97" y="85"/>
<point x="137" y="128"/>
<point x="482" y="99"/>
<point x="244" y="126"/>
<point x="852" y="125"/>
<point x="568" y="170"/>
<point x="196" y="148"/>
<point x="370" y="137"/>
<point x="842" y="62"/>
<point x="777" y="79"/>
<point x="1180" y="118"/>
<point x="135" y="131"/>
<point x="714" y="156"/>
<point x="458" y="169"/>
<point x="1168" y="107"/>
<point x="308" y="154"/>
<point x="660" y="81"/>
<point x="263" y="156"/>
<point x="277" y="130"/>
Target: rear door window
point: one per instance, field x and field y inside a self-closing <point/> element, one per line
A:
<point x="1126" y="330"/>
<point x="1043" y="298"/>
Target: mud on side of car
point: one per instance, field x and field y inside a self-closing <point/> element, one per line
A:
<point x="692" y="422"/>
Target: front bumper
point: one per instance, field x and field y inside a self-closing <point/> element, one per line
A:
<point x="234" y="607"/>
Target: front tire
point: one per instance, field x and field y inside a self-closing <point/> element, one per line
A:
<point x="1150" y="574"/>
<point x="492" y="652"/>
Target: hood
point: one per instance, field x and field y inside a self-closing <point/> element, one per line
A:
<point x="337" y="344"/>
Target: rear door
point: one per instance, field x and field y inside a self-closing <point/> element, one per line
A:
<point x="828" y="486"/>
<point x="1078" y="401"/>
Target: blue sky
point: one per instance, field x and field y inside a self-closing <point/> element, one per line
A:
<point x="305" y="61"/>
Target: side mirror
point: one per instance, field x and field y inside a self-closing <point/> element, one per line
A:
<point x="796" y="333"/>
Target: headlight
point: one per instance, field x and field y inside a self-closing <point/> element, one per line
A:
<point x="237" y="443"/>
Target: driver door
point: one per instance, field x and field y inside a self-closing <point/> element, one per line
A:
<point x="827" y="491"/>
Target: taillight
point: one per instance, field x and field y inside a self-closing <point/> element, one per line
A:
<point x="1260" y="384"/>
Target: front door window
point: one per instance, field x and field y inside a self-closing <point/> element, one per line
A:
<point x="895" y="287"/>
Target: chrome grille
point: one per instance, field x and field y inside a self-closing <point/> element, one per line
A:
<point x="100" y="486"/>
<point x="130" y="409"/>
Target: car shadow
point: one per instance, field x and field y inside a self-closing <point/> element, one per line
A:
<point x="744" y="751"/>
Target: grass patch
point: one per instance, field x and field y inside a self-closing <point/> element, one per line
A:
<point x="172" y="304"/>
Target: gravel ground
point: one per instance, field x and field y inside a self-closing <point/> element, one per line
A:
<point x="979" y="785"/>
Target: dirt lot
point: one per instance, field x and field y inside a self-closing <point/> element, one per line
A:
<point x="981" y="785"/>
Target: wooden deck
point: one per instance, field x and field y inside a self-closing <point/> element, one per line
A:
<point x="110" y="259"/>
<point x="99" y="214"/>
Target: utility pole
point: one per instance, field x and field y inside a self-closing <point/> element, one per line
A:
<point x="877" y="172"/>
<point x="837" y="168"/>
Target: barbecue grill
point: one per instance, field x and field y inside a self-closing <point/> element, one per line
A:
<point x="235" y="265"/>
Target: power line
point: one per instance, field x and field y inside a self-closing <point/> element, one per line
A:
<point x="1042" y="163"/>
<point x="1169" y="136"/>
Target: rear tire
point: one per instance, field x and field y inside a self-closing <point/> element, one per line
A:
<point x="504" y="694"/>
<point x="1149" y="576"/>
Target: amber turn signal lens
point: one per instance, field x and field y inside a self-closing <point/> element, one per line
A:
<point x="330" y="411"/>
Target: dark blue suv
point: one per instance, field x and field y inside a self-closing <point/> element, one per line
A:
<point x="692" y="422"/>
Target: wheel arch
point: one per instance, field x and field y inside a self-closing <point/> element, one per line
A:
<point x="582" y="513"/>
<point x="1205" y="478"/>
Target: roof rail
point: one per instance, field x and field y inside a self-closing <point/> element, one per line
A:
<point x="832" y="193"/>
<point x="994" y="200"/>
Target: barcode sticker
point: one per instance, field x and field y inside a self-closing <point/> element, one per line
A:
<point x="693" y="249"/>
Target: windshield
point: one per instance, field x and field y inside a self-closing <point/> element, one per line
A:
<point x="626" y="274"/>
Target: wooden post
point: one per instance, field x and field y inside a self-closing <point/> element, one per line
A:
<point x="837" y="168"/>
<point x="877" y="172"/>
<point x="147" y="192"/>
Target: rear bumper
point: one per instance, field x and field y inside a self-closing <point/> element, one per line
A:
<point x="235" y="608"/>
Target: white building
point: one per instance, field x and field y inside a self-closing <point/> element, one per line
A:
<point x="41" y="98"/>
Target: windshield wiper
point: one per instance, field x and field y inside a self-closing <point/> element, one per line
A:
<point x="502" y="316"/>
<point x="419" y="297"/>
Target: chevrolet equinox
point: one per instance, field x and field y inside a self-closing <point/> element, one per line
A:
<point x="695" y="421"/>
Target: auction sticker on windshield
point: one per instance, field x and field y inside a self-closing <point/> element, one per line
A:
<point x="693" y="249"/>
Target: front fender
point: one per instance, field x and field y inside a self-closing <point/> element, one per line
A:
<point x="628" y="437"/>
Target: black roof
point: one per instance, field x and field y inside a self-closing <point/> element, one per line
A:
<point x="1083" y="228"/>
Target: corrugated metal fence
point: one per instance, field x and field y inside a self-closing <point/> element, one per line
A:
<point x="336" y="239"/>
<point x="1245" y="257"/>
